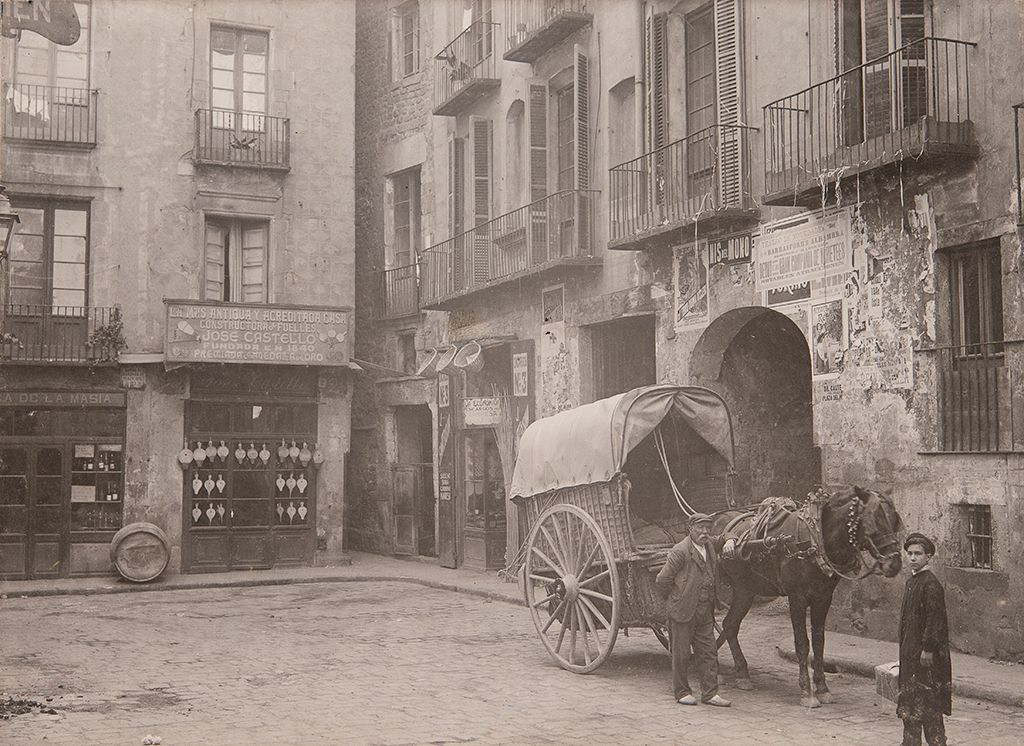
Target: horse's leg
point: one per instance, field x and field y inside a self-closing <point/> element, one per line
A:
<point x="819" y="610"/>
<point x="798" y="616"/>
<point x="742" y="598"/>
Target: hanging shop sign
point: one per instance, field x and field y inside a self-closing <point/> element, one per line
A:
<point x="481" y="411"/>
<point x="56" y="20"/>
<point x="200" y="332"/>
<point x="805" y="258"/>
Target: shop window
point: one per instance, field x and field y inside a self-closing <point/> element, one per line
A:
<point x="238" y="78"/>
<point x="236" y="255"/>
<point x="405" y="40"/>
<point x="402" y="214"/>
<point x="48" y="257"/>
<point x="484" y="484"/>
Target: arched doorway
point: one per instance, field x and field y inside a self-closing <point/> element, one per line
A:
<point x="759" y="361"/>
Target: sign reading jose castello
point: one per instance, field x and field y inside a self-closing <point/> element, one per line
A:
<point x="202" y="332"/>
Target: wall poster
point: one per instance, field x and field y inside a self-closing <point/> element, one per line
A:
<point x="827" y="335"/>
<point x="690" y="280"/>
<point x="806" y="257"/>
<point x="520" y="374"/>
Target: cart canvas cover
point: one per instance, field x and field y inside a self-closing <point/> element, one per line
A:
<point x="590" y="444"/>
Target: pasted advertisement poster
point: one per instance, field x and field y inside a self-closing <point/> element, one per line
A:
<point x="443" y="388"/>
<point x="691" y="285"/>
<point x="520" y="374"/>
<point x="805" y="258"/>
<point x="827" y="335"/>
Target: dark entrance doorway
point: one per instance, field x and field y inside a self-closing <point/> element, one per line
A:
<point x="760" y="363"/>
<point x="622" y="355"/>
<point x="413" y="482"/>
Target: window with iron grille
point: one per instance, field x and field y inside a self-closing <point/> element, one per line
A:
<point x="979" y="536"/>
<point x="976" y="293"/>
<point x="40" y="62"/>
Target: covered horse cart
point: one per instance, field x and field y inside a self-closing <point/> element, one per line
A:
<point x="606" y="489"/>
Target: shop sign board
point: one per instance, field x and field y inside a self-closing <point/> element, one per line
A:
<point x="481" y="411"/>
<point x="208" y="332"/>
<point x="63" y="399"/>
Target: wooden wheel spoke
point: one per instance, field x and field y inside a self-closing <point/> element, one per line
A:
<point x="542" y="579"/>
<point x="563" y="546"/>
<point x="561" y="633"/>
<point x="552" y="618"/>
<point x="590" y="560"/>
<point x="586" y="636"/>
<point x="550" y="563"/>
<point x="555" y="550"/>
<point x="595" y="594"/>
<point x="543" y="600"/>
<point x="572" y="638"/>
<point x="592" y="624"/>
<point x="594" y="578"/>
<point x="596" y="612"/>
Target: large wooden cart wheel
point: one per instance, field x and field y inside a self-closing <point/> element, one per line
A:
<point x="572" y="588"/>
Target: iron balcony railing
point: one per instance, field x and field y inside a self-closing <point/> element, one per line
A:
<point x="534" y="26"/>
<point x="908" y="103"/>
<point x="466" y="68"/>
<point x="557" y="228"/>
<point x="60" y="334"/>
<point x="50" y="114"/>
<point x="681" y="183"/>
<point x="240" y="139"/>
<point x="977" y="397"/>
<point x="397" y="292"/>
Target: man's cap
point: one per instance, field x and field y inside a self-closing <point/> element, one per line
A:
<point x="927" y="544"/>
<point x="699" y="518"/>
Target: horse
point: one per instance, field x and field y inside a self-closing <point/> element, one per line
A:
<point x="810" y="549"/>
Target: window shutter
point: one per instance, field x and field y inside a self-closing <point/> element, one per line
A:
<point x="537" y="115"/>
<point x="389" y="221"/>
<point x="582" y="118"/>
<point x="254" y="264"/>
<point x="727" y="75"/>
<point x="877" y="84"/>
<point x="216" y="247"/>
<point x="456" y="213"/>
<point x="480" y="145"/>
<point x="656" y="62"/>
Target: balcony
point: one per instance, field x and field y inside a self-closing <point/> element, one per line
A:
<point x="61" y="335"/>
<point x="51" y="114"/>
<point x="699" y="183"/>
<point x="913" y="103"/>
<point x="555" y="231"/>
<point x="534" y="26"/>
<point x="229" y="138"/>
<point x="397" y="292"/>
<point x="466" y="69"/>
<point x="979" y="399"/>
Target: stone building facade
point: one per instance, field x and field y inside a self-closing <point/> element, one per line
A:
<point x="181" y="285"/>
<point x="813" y="213"/>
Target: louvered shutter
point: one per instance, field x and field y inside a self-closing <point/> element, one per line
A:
<point x="727" y="76"/>
<point x="216" y="246"/>
<point x="389" y="221"/>
<point x="253" y="258"/>
<point x="877" y="83"/>
<point x="537" y="123"/>
<point x="656" y="61"/>
<point x="581" y="120"/>
<point x="480" y="146"/>
<point x="450" y="276"/>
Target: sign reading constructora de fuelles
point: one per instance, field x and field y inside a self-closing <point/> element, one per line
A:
<point x="213" y="332"/>
<point x="56" y="20"/>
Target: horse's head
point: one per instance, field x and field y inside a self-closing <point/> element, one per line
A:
<point x="879" y="529"/>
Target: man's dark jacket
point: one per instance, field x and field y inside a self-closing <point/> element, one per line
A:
<point x="681" y="578"/>
<point x="924" y="628"/>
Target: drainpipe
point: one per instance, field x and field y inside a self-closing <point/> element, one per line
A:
<point x="639" y="87"/>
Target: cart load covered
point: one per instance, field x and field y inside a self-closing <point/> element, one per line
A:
<point x="606" y="489"/>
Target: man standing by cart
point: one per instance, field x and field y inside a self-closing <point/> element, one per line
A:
<point x="688" y="582"/>
<point x="925" y="672"/>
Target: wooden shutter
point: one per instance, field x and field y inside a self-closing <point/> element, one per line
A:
<point x="581" y="108"/>
<point x="728" y="21"/>
<point x="877" y="82"/>
<point x="537" y="124"/>
<point x="452" y="271"/>
<point x="389" y="221"/>
<point x="656" y="63"/>
<point x="214" y="263"/>
<point x="480" y="146"/>
<point x="253" y="260"/>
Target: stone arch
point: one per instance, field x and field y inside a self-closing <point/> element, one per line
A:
<point x="759" y="361"/>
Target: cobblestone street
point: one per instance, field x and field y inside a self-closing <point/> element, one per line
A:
<point x="390" y="663"/>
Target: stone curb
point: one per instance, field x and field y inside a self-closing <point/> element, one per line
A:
<point x="967" y="689"/>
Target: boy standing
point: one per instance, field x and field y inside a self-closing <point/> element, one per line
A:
<point x="925" y="679"/>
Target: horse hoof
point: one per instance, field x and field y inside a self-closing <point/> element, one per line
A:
<point x="744" y="684"/>
<point x="825" y="698"/>
<point x="810" y="703"/>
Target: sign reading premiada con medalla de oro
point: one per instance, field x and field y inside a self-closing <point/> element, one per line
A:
<point x="201" y="332"/>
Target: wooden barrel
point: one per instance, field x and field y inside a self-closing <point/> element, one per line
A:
<point x="140" y="552"/>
